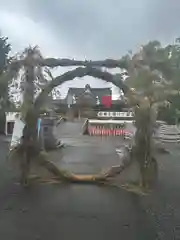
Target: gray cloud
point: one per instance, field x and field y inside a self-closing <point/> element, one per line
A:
<point x="94" y="27"/>
<point x="109" y="28"/>
<point x="164" y="19"/>
<point x="104" y="28"/>
<point x="98" y="28"/>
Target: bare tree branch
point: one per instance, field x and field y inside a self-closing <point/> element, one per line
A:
<point x="49" y="73"/>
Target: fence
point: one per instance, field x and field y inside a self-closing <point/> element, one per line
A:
<point x="108" y="127"/>
<point x="98" y="131"/>
<point x="168" y="134"/>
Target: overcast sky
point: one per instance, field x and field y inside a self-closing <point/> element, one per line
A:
<point x="91" y="29"/>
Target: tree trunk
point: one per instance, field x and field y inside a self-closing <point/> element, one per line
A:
<point x="144" y="145"/>
<point x="30" y="116"/>
<point x="2" y="121"/>
<point x="25" y="168"/>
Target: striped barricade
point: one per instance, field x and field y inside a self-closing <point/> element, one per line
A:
<point x="98" y="131"/>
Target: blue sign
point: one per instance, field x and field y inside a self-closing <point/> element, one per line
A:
<point x="38" y="126"/>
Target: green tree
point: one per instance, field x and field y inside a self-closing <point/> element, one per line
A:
<point x="166" y="60"/>
<point x="5" y="103"/>
<point x="5" y="49"/>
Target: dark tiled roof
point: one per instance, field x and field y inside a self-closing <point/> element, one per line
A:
<point x="94" y="92"/>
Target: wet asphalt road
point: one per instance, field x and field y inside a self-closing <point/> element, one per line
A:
<point x="57" y="211"/>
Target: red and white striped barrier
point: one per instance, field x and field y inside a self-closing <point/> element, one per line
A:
<point x="96" y="131"/>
